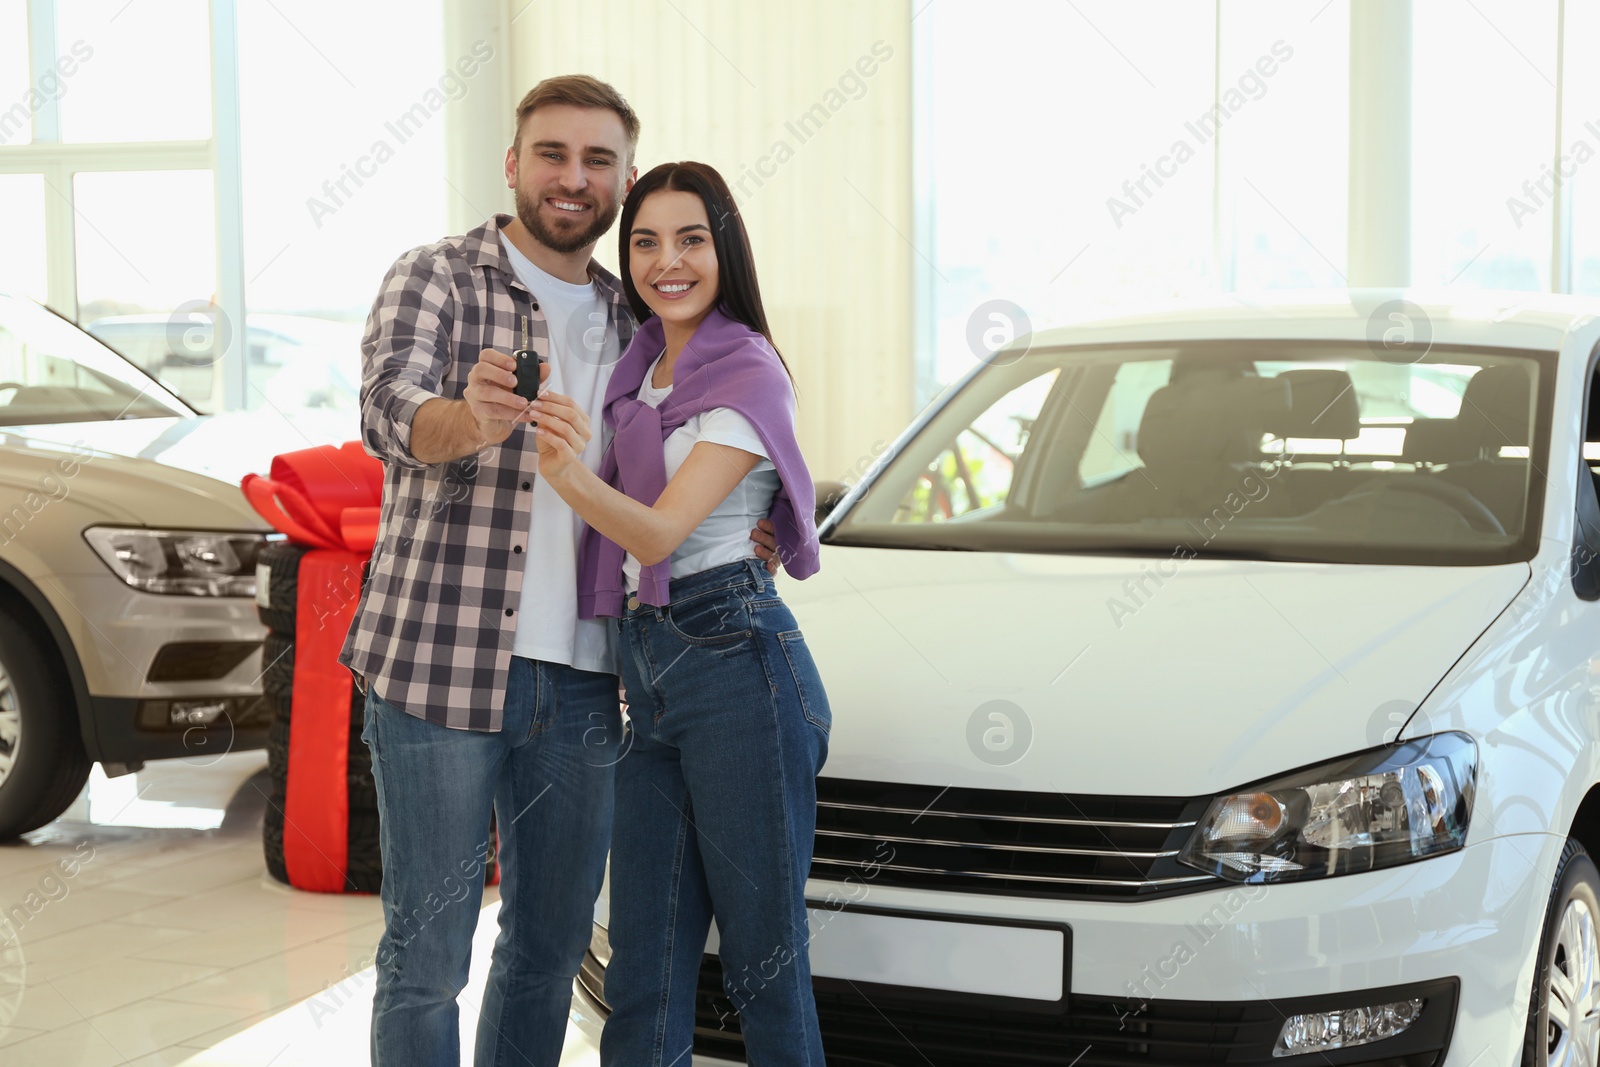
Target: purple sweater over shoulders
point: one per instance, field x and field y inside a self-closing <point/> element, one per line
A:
<point x="725" y="364"/>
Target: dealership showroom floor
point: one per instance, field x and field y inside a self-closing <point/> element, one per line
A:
<point x="170" y="939"/>
<point x="170" y="945"/>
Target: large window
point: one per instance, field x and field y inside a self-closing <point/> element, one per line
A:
<point x="1482" y="144"/>
<point x="344" y="169"/>
<point x="1579" y="163"/>
<point x="1043" y="198"/>
<point x="148" y="77"/>
<point x="1284" y="155"/>
<point x="118" y="189"/>
<point x="1085" y="158"/>
<point x="1082" y="158"/>
<point x="108" y="169"/>
<point x="22" y="267"/>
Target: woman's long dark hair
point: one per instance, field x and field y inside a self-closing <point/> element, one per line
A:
<point x="739" y="294"/>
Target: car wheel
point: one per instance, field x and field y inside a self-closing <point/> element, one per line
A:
<point x="1564" y="1015"/>
<point x="42" y="762"/>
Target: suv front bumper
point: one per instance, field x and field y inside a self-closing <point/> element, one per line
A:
<point x="124" y="642"/>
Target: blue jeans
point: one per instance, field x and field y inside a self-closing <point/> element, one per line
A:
<point x="548" y="775"/>
<point x="716" y="812"/>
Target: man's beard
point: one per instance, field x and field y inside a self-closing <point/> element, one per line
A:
<point x="528" y="212"/>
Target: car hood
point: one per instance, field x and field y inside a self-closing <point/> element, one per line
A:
<point x="162" y="472"/>
<point x="1223" y="673"/>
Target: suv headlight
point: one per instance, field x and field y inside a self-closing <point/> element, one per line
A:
<point x="1374" y="809"/>
<point x="180" y="562"/>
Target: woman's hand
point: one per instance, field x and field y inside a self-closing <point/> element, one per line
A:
<point x="766" y="538"/>
<point x="562" y="434"/>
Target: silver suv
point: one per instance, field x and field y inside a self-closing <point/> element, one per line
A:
<point x="128" y="625"/>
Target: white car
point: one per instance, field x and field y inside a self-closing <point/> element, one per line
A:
<point x="1217" y="686"/>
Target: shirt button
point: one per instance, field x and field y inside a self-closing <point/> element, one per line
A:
<point x="509" y="611"/>
<point x="527" y="485"/>
<point x="517" y="549"/>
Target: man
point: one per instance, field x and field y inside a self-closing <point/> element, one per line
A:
<point x="483" y="688"/>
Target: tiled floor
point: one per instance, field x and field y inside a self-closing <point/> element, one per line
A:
<point x="162" y="941"/>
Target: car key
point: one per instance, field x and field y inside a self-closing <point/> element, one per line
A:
<point x="527" y="371"/>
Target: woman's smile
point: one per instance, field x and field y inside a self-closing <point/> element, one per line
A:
<point x="674" y="289"/>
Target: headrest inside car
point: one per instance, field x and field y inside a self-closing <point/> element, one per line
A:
<point x="1494" y="408"/>
<point x="1317" y="404"/>
<point x="1437" y="441"/>
<point x="1204" y="419"/>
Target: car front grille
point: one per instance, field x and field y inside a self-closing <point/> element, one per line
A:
<point x="913" y="1028"/>
<point x="1005" y="841"/>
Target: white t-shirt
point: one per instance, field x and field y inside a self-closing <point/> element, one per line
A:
<point x="582" y="356"/>
<point x="724" y="537"/>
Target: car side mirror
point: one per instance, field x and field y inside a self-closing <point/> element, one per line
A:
<point x="828" y="496"/>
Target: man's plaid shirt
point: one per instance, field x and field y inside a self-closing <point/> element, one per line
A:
<point x="434" y="627"/>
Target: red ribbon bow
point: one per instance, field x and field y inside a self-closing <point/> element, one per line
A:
<point x="323" y="497"/>
<point x="326" y="498"/>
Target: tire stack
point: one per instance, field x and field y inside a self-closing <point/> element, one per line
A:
<point x="276" y="600"/>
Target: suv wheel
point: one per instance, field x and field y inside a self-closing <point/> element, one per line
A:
<point x="1564" y="1016"/>
<point x="42" y="762"/>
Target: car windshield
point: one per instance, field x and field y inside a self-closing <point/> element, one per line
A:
<point x="50" y="371"/>
<point x="1320" y="451"/>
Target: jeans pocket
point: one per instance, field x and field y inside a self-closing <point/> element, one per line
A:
<point x="710" y="620"/>
<point x="807" y="682"/>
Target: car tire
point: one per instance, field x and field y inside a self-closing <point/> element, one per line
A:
<point x="363" y="789"/>
<point x="1569" y="948"/>
<point x="282" y="588"/>
<point x="277" y="781"/>
<point x="39" y="729"/>
<point x="278" y="752"/>
<point x="364" y="857"/>
<point x="277" y="665"/>
<point x="272" y="838"/>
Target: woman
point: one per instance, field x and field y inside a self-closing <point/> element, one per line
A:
<point x="716" y="800"/>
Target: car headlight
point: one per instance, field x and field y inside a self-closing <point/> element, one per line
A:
<point x="1374" y="809"/>
<point x="180" y="562"/>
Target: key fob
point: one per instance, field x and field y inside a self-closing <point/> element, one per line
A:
<point x="527" y="373"/>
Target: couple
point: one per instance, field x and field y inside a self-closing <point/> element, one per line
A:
<point x="526" y="551"/>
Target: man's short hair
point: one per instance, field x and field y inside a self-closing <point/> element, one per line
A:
<point x="578" y="90"/>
